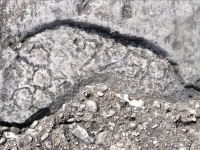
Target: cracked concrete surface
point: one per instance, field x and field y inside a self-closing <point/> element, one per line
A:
<point x="45" y="62"/>
<point x="49" y="50"/>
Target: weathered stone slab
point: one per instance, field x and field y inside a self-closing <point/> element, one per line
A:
<point x="49" y="63"/>
<point x="51" y="48"/>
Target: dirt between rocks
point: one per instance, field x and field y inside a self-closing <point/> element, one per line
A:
<point x="99" y="118"/>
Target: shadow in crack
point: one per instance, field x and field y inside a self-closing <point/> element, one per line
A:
<point x="102" y="31"/>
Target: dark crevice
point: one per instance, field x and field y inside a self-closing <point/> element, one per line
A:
<point x="100" y="30"/>
<point x="37" y="116"/>
<point x="191" y="86"/>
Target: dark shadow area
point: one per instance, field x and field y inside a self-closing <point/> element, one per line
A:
<point x="101" y="31"/>
<point x="191" y="86"/>
<point x="37" y="116"/>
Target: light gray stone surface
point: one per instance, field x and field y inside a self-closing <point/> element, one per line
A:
<point x="51" y="48"/>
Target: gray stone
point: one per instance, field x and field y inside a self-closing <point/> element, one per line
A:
<point x="10" y="135"/>
<point x="91" y="106"/>
<point x="132" y="126"/>
<point x="4" y="128"/>
<point x="44" y="136"/>
<point x="14" y="130"/>
<point x="109" y="113"/>
<point x="104" y="138"/>
<point x="50" y="50"/>
<point x="40" y="70"/>
<point x="2" y="140"/>
<point x="34" y="124"/>
<point x="157" y="104"/>
<point x="80" y="133"/>
<point x="100" y="94"/>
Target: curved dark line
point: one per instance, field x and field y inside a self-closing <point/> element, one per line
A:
<point x="36" y="116"/>
<point x="100" y="30"/>
<point x="191" y="86"/>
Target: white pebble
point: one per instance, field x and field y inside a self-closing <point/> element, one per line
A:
<point x="136" y="103"/>
<point x="100" y="94"/>
<point x="44" y="136"/>
<point x="91" y="106"/>
<point x="157" y="105"/>
<point x="9" y="135"/>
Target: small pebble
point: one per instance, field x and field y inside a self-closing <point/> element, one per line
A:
<point x="57" y="142"/>
<point x="100" y="94"/>
<point x="126" y="97"/>
<point x="14" y="130"/>
<point x="108" y="114"/>
<point x="4" y="128"/>
<point x="61" y="115"/>
<point x="136" y="103"/>
<point x="154" y="126"/>
<point x="157" y="104"/>
<point x="113" y="147"/>
<point x="32" y="132"/>
<point x="80" y="133"/>
<point x="2" y="140"/>
<point x="91" y="106"/>
<point x="9" y="135"/>
<point x="34" y="124"/>
<point x="132" y="126"/>
<point x="44" y="136"/>
<point x="111" y="95"/>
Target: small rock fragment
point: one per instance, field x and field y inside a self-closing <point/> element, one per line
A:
<point x="136" y="103"/>
<point x="154" y="126"/>
<point x="14" y="130"/>
<point x="118" y="106"/>
<point x="94" y="126"/>
<point x="101" y="88"/>
<point x="111" y="95"/>
<point x="157" y="105"/>
<point x="86" y="94"/>
<point x="80" y="133"/>
<point x="126" y="97"/>
<point x="2" y="140"/>
<point x="10" y="135"/>
<point x="113" y="147"/>
<point x="32" y="132"/>
<point x="4" y="128"/>
<point x="104" y="138"/>
<point x="44" y="136"/>
<point x="132" y="126"/>
<point x="100" y="94"/>
<point x="61" y="116"/>
<point x="70" y="120"/>
<point x="34" y="124"/>
<point x="57" y="142"/>
<point x="91" y="106"/>
<point x="27" y="139"/>
<point x="108" y="114"/>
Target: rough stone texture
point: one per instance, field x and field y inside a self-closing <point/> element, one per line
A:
<point x="170" y="126"/>
<point x="54" y="62"/>
<point x="51" y="50"/>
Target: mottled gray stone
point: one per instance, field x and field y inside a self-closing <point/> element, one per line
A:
<point x="109" y="113"/>
<point x="104" y="138"/>
<point x="51" y="48"/>
<point x="91" y="106"/>
<point x="44" y="136"/>
<point x="80" y="133"/>
<point x="2" y="140"/>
